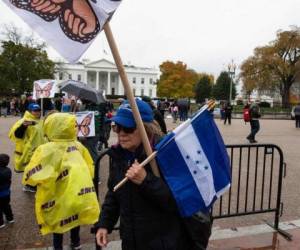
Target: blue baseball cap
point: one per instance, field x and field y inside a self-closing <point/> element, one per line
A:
<point x="124" y="115"/>
<point x="34" y="107"/>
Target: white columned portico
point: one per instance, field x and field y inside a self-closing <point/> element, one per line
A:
<point x="120" y="86"/>
<point x="97" y="80"/>
<point x="85" y="77"/>
<point x="108" y="83"/>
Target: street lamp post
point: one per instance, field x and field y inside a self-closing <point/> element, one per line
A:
<point x="231" y="71"/>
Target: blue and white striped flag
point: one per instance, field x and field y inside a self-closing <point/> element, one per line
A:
<point x="194" y="161"/>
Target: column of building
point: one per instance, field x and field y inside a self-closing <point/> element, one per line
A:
<point x="108" y="84"/>
<point x="97" y="80"/>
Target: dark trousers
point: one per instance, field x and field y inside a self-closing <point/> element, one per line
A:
<point x="58" y="238"/>
<point x="183" y="115"/>
<point x="227" y="118"/>
<point x="5" y="209"/>
<point x="254" y="129"/>
<point x="91" y="144"/>
<point x="297" y="119"/>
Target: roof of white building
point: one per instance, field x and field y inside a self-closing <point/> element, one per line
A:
<point x="109" y="65"/>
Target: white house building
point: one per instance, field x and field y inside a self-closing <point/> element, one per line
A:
<point x="103" y="74"/>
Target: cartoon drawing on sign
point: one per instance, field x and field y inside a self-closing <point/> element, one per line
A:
<point x="43" y="92"/>
<point x="83" y="127"/>
<point x="77" y="19"/>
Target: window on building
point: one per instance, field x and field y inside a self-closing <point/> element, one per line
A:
<point x="151" y="81"/>
<point x="70" y="76"/>
<point x="142" y="92"/>
<point x="133" y="90"/>
<point x="142" y="80"/>
<point x="150" y="92"/>
<point x="78" y="77"/>
<point x="113" y="91"/>
<point x="60" y="75"/>
<point x="134" y="80"/>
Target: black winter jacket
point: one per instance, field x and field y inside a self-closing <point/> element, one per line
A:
<point x="148" y="213"/>
<point x="5" y="179"/>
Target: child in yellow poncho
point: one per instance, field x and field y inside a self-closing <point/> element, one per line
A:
<point x="62" y="170"/>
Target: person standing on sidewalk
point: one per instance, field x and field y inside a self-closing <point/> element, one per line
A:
<point x="297" y="115"/>
<point x="228" y="111"/>
<point x="254" y="122"/>
<point x="27" y="133"/>
<point x="5" y="182"/>
<point x="148" y="214"/>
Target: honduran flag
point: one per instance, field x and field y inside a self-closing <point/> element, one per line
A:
<point x="195" y="164"/>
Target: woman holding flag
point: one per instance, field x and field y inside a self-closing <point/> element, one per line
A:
<point x="149" y="218"/>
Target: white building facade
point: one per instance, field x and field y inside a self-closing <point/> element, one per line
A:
<point x="103" y="75"/>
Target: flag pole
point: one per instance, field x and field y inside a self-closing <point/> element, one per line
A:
<point x="42" y="105"/>
<point x="130" y="96"/>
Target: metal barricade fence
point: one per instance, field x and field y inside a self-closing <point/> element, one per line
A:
<point x="257" y="171"/>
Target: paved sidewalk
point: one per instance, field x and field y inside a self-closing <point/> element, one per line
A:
<point x="260" y="237"/>
<point x="24" y="233"/>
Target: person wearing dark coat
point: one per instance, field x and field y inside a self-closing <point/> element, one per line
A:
<point x="149" y="219"/>
<point x="227" y="111"/>
<point x="254" y="122"/>
<point x="5" y="182"/>
<point x="156" y="114"/>
<point x="297" y="115"/>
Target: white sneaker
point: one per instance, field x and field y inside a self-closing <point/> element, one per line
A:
<point x="11" y="221"/>
<point x="29" y="189"/>
<point x="3" y="225"/>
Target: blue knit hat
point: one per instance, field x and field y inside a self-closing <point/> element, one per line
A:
<point x="124" y="115"/>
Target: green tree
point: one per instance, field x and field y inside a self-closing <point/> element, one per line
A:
<point x="221" y="90"/>
<point x="22" y="61"/>
<point x="176" y="80"/>
<point x="203" y="88"/>
<point x="274" y="66"/>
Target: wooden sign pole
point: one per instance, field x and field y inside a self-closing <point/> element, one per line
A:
<point x="130" y="96"/>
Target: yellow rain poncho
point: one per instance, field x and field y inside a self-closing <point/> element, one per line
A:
<point x="25" y="147"/>
<point x="63" y="170"/>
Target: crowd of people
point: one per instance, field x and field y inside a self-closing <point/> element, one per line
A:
<point x="60" y="167"/>
<point x="14" y="106"/>
<point x="66" y="175"/>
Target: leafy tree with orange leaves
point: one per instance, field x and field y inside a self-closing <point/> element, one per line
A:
<point x="176" y="80"/>
<point x="274" y="66"/>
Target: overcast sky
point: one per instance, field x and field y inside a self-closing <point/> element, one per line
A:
<point x="206" y="35"/>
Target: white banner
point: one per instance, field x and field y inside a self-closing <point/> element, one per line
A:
<point x="69" y="26"/>
<point x="44" y="89"/>
<point x="85" y="123"/>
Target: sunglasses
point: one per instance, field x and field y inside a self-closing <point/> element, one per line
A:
<point x="117" y="128"/>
